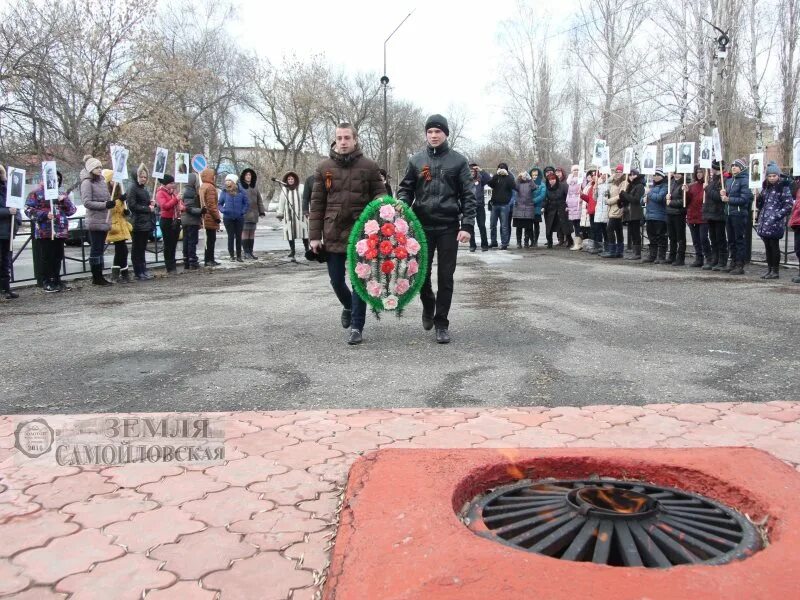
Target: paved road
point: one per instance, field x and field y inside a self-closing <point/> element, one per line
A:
<point x="530" y="328"/>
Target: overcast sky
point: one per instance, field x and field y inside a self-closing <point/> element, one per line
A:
<point x="447" y="53"/>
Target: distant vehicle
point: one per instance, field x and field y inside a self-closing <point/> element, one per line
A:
<point x="77" y="234"/>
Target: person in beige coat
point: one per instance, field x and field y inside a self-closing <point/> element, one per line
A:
<point x="616" y="243"/>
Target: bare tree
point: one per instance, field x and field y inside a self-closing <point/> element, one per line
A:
<point x="789" y="67"/>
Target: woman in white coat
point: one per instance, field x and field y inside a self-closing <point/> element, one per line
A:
<point x="290" y="211"/>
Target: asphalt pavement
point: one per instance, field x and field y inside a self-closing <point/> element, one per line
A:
<point x="530" y="327"/>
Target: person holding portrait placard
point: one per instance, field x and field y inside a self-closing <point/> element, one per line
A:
<point x="143" y="210"/>
<point x="737" y="197"/>
<point x="676" y="222"/>
<point x="120" y="233"/>
<point x="714" y="215"/>
<point x="97" y="201"/>
<point x="51" y="246"/>
<point x="6" y="253"/>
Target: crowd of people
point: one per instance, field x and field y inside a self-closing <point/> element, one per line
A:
<point x="591" y="213"/>
<point x="585" y="212"/>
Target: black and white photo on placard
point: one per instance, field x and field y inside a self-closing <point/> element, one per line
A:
<point x="15" y="191"/>
<point x="181" y="167"/>
<point x="668" y="158"/>
<point x="685" y="157"/>
<point x="649" y="158"/>
<point x="50" y="180"/>
<point x="160" y="163"/>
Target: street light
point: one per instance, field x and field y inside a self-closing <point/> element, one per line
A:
<point x="385" y="85"/>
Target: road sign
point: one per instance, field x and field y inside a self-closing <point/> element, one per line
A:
<point x="199" y="162"/>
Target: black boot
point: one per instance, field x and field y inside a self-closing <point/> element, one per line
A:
<point x="636" y="253"/>
<point x="680" y="259"/>
<point x="731" y="266"/>
<point x="125" y="275"/>
<point x="711" y="261"/>
<point x="115" y="274"/>
<point x="721" y="264"/>
<point x="661" y="257"/>
<point x="6" y="291"/>
<point x="698" y="260"/>
<point x="796" y="279"/>
<point x="651" y="254"/>
<point x="670" y="259"/>
<point x="738" y="269"/>
<point x="97" y="276"/>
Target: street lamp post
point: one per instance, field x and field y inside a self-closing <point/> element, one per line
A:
<point x="385" y="85"/>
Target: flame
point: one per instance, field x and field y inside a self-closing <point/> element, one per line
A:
<point x="513" y="470"/>
<point x="615" y="499"/>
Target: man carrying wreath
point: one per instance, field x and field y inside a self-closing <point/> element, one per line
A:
<point x="343" y="185"/>
<point x="438" y="187"/>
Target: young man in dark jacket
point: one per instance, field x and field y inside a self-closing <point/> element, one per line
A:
<point x="479" y="180"/>
<point x="631" y="201"/>
<point x="655" y="205"/>
<point x="343" y="186"/>
<point x="503" y="185"/>
<point x="438" y="186"/>
<point x="737" y="197"/>
<point x="714" y="215"/>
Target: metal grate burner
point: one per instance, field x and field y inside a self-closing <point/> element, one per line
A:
<point x="616" y="523"/>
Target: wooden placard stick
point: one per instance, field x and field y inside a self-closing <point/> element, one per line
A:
<point x="113" y="191"/>
<point x="11" y="238"/>
<point x="52" y="222"/>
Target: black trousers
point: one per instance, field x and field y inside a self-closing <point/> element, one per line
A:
<point x="480" y="222"/>
<point x="52" y="258"/>
<point x="702" y="246"/>
<point x="773" y="249"/>
<point x="190" y="237"/>
<point x="737" y="225"/>
<point x="635" y="232"/>
<point x="97" y="241"/>
<point x="234" y="227"/>
<point x="614" y="229"/>
<point x="676" y="230"/>
<point x="169" y="235"/>
<point x="445" y="245"/>
<point x="6" y="256"/>
<point x="138" y="251"/>
<point x="657" y="234"/>
<point x="719" y="246"/>
<point x="528" y="234"/>
<point x="121" y="254"/>
<point x="211" y="240"/>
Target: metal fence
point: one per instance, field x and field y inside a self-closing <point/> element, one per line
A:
<point x="153" y="254"/>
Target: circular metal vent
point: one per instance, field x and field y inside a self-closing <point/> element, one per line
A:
<point x="617" y="523"/>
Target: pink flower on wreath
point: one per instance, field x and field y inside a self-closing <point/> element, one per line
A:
<point x="412" y="268"/>
<point x="387" y="212"/>
<point x="374" y="288"/>
<point x="371" y="227"/>
<point x="401" y="225"/>
<point x="412" y="246"/>
<point x="363" y="270"/>
<point x="402" y="286"/>
<point x="362" y="246"/>
<point x="390" y="302"/>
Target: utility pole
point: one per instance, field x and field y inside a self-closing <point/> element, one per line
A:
<point x="721" y="54"/>
<point x="385" y="85"/>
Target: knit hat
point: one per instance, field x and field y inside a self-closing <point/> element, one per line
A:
<point x="715" y="165"/>
<point x="231" y="177"/>
<point x="439" y="122"/>
<point x="619" y="168"/>
<point x="741" y="163"/>
<point x="91" y="163"/>
<point x="635" y="172"/>
<point x="659" y="173"/>
<point x="167" y="179"/>
<point x="107" y="174"/>
<point x="503" y="166"/>
<point x="773" y="168"/>
<point x="549" y="170"/>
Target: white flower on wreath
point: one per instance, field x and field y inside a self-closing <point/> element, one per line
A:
<point x="390" y="302"/>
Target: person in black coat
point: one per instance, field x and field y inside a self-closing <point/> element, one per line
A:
<point x="555" y="208"/>
<point x="503" y="186"/>
<point x="714" y="215"/>
<point x="143" y="218"/>
<point x="6" y="254"/>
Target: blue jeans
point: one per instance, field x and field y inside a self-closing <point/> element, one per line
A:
<point x="190" y="238"/>
<point x="480" y="225"/>
<point x="700" y="241"/>
<point x="736" y="227"/>
<point x="500" y="212"/>
<point x="97" y="241"/>
<point x="337" y="267"/>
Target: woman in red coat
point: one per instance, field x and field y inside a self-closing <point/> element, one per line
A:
<point x="694" y="217"/>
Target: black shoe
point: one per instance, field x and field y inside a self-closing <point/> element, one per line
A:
<point x="239" y="259"/>
<point x="233" y="258"/>
<point x="9" y="295"/>
<point x="519" y="246"/>
<point x="767" y="274"/>
<point x="484" y="248"/>
<point x="52" y="288"/>
<point x="494" y="245"/>
<point x="709" y="266"/>
<point x="472" y="248"/>
<point x="63" y="286"/>
<point x="698" y="262"/>
<point x="427" y="322"/>
<point x="212" y="263"/>
<point x="738" y="269"/>
<point x="355" y="337"/>
<point x="442" y="336"/>
<point x="774" y="274"/>
<point x="347" y="317"/>
<point x="503" y="247"/>
<point x="796" y="279"/>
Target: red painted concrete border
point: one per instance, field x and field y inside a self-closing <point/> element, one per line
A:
<point x="400" y="536"/>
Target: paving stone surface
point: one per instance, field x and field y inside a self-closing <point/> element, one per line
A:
<point x="261" y="523"/>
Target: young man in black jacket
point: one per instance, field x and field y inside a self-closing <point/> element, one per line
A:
<point x="438" y="186"/>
